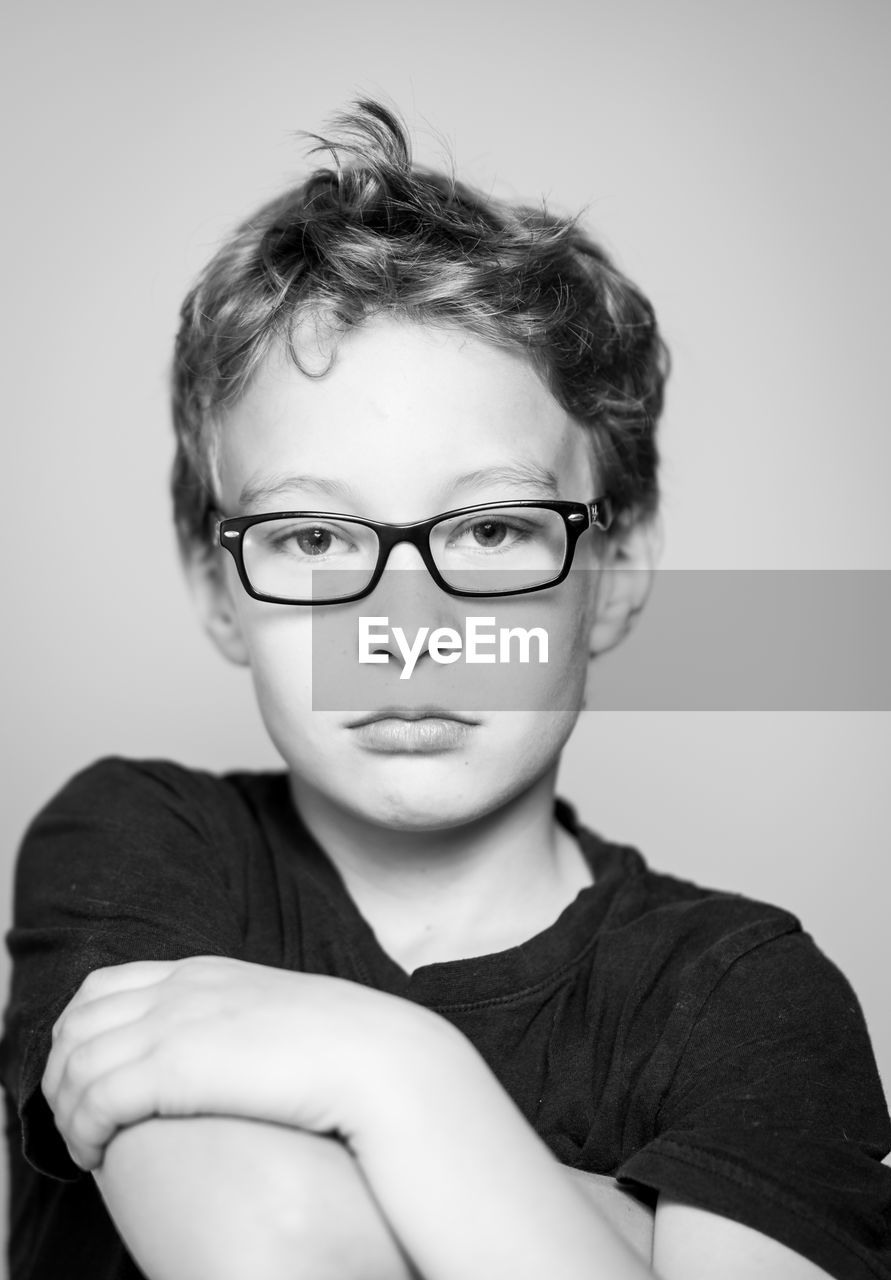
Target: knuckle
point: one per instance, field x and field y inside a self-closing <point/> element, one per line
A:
<point x="201" y="973"/>
<point x="80" y="1136"/>
<point x="63" y="1038"/>
<point x="203" y="966"/>
<point x="49" y="1086"/>
<point x="80" y="1064"/>
<point x="94" y="983"/>
<point x="65" y="1031"/>
<point x="94" y="979"/>
<point x="94" y="1111"/>
<point x="80" y="1158"/>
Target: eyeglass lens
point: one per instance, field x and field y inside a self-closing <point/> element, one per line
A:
<point x="490" y="552"/>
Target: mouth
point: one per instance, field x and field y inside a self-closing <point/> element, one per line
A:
<point x="410" y="714"/>
<point x="415" y="731"/>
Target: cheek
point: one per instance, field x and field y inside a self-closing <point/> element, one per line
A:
<point x="568" y="623"/>
<point x="279" y="644"/>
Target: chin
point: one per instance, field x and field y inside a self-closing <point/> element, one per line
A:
<point x="407" y="808"/>
<point x="424" y="799"/>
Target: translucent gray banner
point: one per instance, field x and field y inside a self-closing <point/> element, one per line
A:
<point x="782" y="640"/>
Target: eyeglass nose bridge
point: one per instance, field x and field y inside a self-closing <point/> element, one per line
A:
<point x="416" y="535"/>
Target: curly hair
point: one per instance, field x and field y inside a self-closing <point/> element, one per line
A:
<point x="376" y="233"/>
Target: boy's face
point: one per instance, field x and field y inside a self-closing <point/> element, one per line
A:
<point x="409" y="422"/>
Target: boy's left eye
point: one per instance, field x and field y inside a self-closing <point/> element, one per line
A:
<point x="313" y="541"/>
<point x="489" y="533"/>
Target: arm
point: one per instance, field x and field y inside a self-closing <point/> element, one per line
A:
<point x="229" y="1198"/>
<point x="692" y="1244"/>
<point x="683" y="1242"/>
<point x="434" y="1134"/>
<point x="633" y="1219"/>
<point x="465" y="1184"/>
<point x="293" y="1203"/>
<point x="234" y="1198"/>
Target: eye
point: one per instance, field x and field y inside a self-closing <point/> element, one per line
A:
<point x="305" y="541"/>
<point x="490" y="533"/>
<point x="313" y="542"/>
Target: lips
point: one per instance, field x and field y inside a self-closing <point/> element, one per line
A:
<point x="411" y="713"/>
<point x="419" y="731"/>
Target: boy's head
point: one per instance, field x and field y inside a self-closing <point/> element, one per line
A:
<point x="385" y="345"/>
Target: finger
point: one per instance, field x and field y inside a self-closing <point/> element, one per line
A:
<point x="121" y="977"/>
<point x="69" y="1072"/>
<point x="121" y="1097"/>
<point x="76" y="1092"/>
<point x="80" y="1024"/>
<point x="101" y="983"/>
<point x="81" y="1021"/>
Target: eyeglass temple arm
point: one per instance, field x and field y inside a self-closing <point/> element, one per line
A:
<point x="601" y="513"/>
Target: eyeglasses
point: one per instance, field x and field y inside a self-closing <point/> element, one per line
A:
<point x="494" y="549"/>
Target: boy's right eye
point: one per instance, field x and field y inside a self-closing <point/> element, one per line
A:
<point x="314" y="542"/>
<point x="306" y="540"/>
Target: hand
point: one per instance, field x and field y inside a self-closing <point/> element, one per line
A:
<point x="214" y="1036"/>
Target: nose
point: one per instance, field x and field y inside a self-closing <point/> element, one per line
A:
<point x="409" y="598"/>
<point x="404" y="555"/>
<point x="407" y="590"/>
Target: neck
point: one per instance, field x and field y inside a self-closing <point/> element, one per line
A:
<point x="485" y="885"/>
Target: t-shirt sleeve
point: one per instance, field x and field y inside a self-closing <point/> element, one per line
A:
<point x="125" y="863"/>
<point x="775" y="1115"/>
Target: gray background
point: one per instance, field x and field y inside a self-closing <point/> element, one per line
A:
<point x="732" y="155"/>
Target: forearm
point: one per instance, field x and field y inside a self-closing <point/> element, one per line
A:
<point x="232" y="1198"/>
<point x="472" y="1191"/>
<point x="632" y="1217"/>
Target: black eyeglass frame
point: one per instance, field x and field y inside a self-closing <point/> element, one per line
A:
<point x="577" y="518"/>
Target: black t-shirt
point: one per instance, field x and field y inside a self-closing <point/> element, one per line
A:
<point x="683" y="1039"/>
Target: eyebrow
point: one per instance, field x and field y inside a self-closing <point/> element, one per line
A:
<point x="259" y="492"/>
<point x="520" y="475"/>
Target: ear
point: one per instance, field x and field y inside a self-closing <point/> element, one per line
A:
<point x="211" y="590"/>
<point x="625" y="582"/>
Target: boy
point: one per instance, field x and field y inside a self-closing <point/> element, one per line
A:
<point x="339" y="1021"/>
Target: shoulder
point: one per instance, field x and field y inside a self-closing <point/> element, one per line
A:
<point x="129" y="796"/>
<point x="687" y="962"/>
<point x="704" y="922"/>
<point x="125" y="830"/>
<point x="729" y="977"/>
<point x="665" y="915"/>
<point x="113" y="786"/>
<point x="731" y="952"/>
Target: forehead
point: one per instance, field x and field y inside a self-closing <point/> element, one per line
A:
<point x="405" y="414"/>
